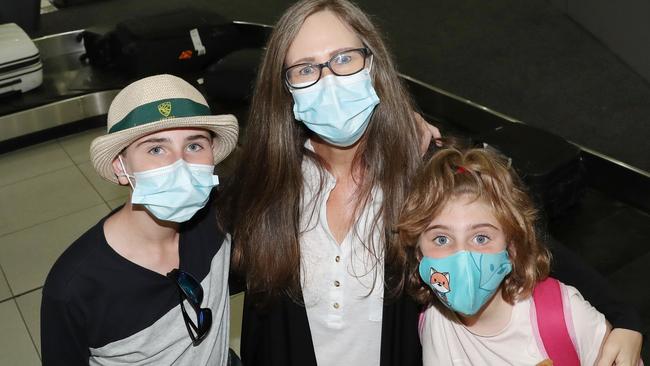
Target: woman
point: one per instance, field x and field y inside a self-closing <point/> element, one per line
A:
<point x="326" y="164"/>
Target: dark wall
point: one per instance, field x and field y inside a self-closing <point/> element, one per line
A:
<point x="25" y="13"/>
<point x="624" y="26"/>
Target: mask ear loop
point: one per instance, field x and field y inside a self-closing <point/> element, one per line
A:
<point x="124" y="173"/>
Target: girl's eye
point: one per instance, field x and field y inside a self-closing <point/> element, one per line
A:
<point x="441" y="240"/>
<point x="156" y="150"/>
<point x="194" y="147"/>
<point x="481" y="239"/>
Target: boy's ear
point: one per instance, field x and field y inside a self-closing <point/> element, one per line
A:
<point x="119" y="172"/>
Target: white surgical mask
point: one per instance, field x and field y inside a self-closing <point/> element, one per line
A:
<point x="337" y="108"/>
<point x="173" y="192"/>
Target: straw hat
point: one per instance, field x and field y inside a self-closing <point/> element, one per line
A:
<point x="157" y="103"/>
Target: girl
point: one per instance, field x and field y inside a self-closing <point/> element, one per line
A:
<point x="468" y="231"/>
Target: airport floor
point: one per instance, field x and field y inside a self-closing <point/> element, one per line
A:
<point x="50" y="195"/>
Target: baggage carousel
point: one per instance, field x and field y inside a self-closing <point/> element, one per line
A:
<point x="75" y="96"/>
<point x="606" y="228"/>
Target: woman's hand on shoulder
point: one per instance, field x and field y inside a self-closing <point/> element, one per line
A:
<point x="427" y="132"/>
<point x="622" y="348"/>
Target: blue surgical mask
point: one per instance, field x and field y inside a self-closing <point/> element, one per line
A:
<point x="337" y="108"/>
<point x="174" y="192"/>
<point x="465" y="281"/>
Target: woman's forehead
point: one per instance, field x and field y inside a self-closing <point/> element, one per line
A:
<point x="321" y="35"/>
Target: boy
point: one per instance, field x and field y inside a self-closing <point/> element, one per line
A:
<point x="149" y="283"/>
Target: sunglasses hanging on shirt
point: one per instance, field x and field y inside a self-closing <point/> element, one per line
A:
<point x="190" y="289"/>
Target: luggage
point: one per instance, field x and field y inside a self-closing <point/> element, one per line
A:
<point x="232" y="78"/>
<point x="100" y="46"/>
<point x="178" y="42"/>
<point x="67" y="3"/>
<point x="550" y="166"/>
<point x="228" y="84"/>
<point x="21" y="69"/>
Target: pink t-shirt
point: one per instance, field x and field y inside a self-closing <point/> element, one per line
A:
<point x="445" y="341"/>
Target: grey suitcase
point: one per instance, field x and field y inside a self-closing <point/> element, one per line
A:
<point x="21" y="69"/>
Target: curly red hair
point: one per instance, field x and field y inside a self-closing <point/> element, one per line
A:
<point x="484" y="175"/>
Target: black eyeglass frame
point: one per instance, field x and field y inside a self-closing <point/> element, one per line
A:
<point x="366" y="53"/>
<point x="201" y="327"/>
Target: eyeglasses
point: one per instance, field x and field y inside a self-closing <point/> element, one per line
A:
<point x="190" y="289"/>
<point x="344" y="63"/>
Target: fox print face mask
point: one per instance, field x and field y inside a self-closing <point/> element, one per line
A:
<point x="465" y="281"/>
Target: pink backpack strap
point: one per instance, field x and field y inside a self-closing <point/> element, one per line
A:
<point x="552" y="324"/>
<point x="421" y="320"/>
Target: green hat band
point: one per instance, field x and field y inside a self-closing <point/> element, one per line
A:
<point x="161" y="110"/>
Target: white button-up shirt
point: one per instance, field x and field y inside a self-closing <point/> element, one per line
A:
<point x="342" y="284"/>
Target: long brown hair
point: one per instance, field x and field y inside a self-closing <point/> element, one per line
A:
<point x="483" y="175"/>
<point x="266" y="191"/>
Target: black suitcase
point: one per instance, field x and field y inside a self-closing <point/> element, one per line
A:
<point x="68" y="3"/>
<point x="550" y="166"/>
<point x="232" y="78"/>
<point x="178" y="42"/>
<point x="228" y="83"/>
<point x="101" y="50"/>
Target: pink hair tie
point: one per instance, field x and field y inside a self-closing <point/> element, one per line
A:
<point x="460" y="170"/>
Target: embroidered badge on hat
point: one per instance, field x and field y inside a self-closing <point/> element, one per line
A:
<point x="165" y="109"/>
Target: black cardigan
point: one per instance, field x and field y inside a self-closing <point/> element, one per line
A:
<point x="279" y="335"/>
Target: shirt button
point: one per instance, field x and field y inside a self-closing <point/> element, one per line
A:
<point x="337" y="283"/>
<point x="338" y="258"/>
<point x="336" y="305"/>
